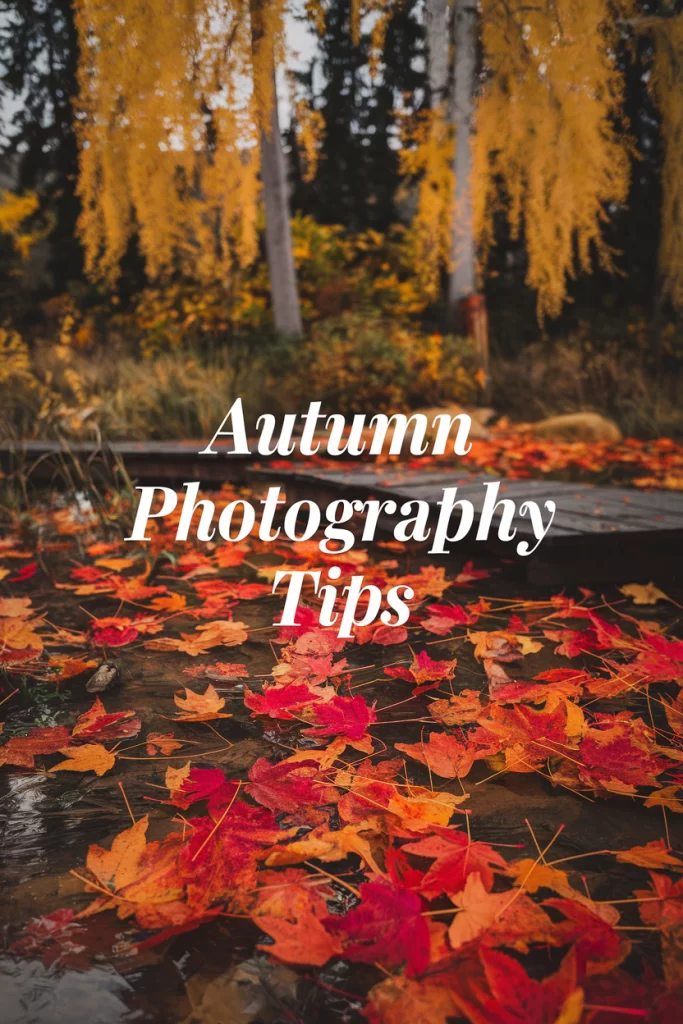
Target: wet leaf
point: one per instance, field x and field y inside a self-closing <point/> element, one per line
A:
<point x="91" y="757"/>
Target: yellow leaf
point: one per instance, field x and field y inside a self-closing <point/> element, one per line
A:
<point x="91" y="757"/>
<point x="115" y="563"/>
<point x="200" y="707"/>
<point x="117" y="867"/>
<point x="572" y="1010"/>
<point x="667" y="797"/>
<point x="644" y="593"/>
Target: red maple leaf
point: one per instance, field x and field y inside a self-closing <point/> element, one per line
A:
<point x="96" y="722"/>
<point x="572" y="642"/>
<point x="454" y="859"/>
<point x="279" y="701"/>
<point x="319" y="642"/>
<point x="21" y="750"/>
<point x="424" y="672"/>
<point x="288" y="786"/>
<point x="385" y="636"/>
<point x="615" y="753"/>
<point x="446" y="756"/>
<point x="306" y="619"/>
<point x="387" y="926"/>
<point x="57" y="928"/>
<point x="220" y="856"/>
<point x="343" y="716"/>
<point x="468" y="574"/>
<point x="668" y="909"/>
<point x="597" y="945"/>
<point x="660" y="659"/>
<point x="515" y="998"/>
<point x="443" y="618"/>
<point x="114" y="636"/>
<point x="26" y="572"/>
<point x="207" y="784"/>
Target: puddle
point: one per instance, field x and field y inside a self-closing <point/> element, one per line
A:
<point x="35" y="994"/>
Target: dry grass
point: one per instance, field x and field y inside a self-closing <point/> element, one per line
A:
<point x="613" y="380"/>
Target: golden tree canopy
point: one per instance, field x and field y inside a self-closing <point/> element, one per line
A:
<point x="547" y="146"/>
<point x="667" y="87"/>
<point x="547" y="130"/>
<point x="173" y="95"/>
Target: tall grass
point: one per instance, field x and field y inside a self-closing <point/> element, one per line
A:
<point x="547" y="380"/>
<point x="112" y="393"/>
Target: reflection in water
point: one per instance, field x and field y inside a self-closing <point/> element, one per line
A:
<point x="24" y="827"/>
<point x="34" y="994"/>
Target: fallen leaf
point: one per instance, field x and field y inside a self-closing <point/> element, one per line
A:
<point x="443" y="754"/>
<point x="304" y="941"/>
<point x="478" y="909"/>
<point x="91" y="757"/>
<point x="200" y="707"/>
<point x="644" y="593"/>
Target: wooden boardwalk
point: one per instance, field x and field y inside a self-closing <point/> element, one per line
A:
<point x="599" y="534"/>
<point x="148" y="462"/>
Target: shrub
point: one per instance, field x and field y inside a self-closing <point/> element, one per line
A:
<point x="355" y="363"/>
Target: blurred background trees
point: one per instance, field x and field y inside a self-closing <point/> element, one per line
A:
<point x="166" y="205"/>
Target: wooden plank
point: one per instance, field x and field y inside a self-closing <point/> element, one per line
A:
<point x="576" y="523"/>
<point x="582" y="508"/>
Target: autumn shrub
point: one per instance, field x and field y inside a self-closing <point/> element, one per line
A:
<point x="359" y="362"/>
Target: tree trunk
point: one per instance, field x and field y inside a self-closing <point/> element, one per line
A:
<point x="281" y="270"/>
<point x="436" y="27"/>
<point x="466" y="310"/>
<point x="461" y="281"/>
<point x="283" y="287"/>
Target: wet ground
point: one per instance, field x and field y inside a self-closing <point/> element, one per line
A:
<point x="214" y="974"/>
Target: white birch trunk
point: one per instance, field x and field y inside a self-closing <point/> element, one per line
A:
<point x="283" y="286"/>
<point x="461" y="281"/>
<point x="437" y="16"/>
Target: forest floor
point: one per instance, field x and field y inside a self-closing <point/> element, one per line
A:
<point x="476" y="816"/>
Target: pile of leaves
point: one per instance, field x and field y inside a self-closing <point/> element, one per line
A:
<point x="360" y="829"/>
<point x="657" y="463"/>
<point x="515" y="454"/>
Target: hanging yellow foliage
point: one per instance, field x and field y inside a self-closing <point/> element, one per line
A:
<point x="173" y="94"/>
<point x="667" y="87"/>
<point x="546" y="131"/>
<point x="310" y="128"/>
<point x="14" y="211"/>
<point x="547" y="148"/>
<point x="427" y="155"/>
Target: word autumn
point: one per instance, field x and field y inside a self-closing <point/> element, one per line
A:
<point x="303" y="432"/>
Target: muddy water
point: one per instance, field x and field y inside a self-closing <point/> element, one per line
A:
<point x="214" y="975"/>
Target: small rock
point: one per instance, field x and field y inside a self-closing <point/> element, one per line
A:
<point x="576" y="426"/>
<point x="106" y="676"/>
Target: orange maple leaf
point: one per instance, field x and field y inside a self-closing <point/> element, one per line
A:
<point x="304" y="941"/>
<point x="91" y="757"/>
<point x="200" y="707"/>
<point x="220" y="633"/>
<point x="443" y="754"/>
